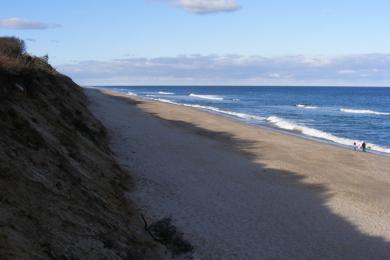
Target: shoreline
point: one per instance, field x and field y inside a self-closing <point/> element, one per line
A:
<point x="264" y="126"/>
<point x="239" y="190"/>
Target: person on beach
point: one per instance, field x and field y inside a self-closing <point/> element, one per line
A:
<point x="355" y="147"/>
<point x="363" y="146"/>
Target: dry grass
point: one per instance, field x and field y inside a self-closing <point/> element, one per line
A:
<point x="14" y="59"/>
<point x="10" y="64"/>
<point x="12" y="47"/>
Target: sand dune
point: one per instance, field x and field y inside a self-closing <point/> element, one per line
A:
<point x="241" y="192"/>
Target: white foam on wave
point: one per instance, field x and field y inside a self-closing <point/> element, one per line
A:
<point x="227" y="112"/>
<point x="283" y="124"/>
<point x="378" y="148"/>
<point x="289" y="125"/>
<point x="363" y="111"/>
<point x="163" y="100"/>
<point x="210" y="97"/>
<point x="214" y="109"/>
<point x="165" y="93"/>
<point x="131" y="93"/>
<point x="306" y="106"/>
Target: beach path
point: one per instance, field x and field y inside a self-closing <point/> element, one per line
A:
<point x="242" y="192"/>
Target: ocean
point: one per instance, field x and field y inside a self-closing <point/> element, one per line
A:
<point x="341" y="115"/>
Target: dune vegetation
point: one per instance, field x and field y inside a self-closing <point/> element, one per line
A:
<point x="62" y="195"/>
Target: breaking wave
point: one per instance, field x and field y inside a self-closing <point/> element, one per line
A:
<point x="214" y="109"/>
<point x="210" y="97"/>
<point x="305" y="106"/>
<point x="163" y="100"/>
<point x="363" y="111"/>
<point x="165" y="93"/>
<point x="283" y="124"/>
<point x="129" y="93"/>
<point x="227" y="112"/>
<point x="291" y="126"/>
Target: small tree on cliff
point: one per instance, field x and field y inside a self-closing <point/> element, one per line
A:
<point x="12" y="47"/>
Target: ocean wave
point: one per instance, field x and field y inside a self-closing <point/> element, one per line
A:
<point x="131" y="93"/>
<point x="210" y="97"/>
<point x="378" y="148"/>
<point x="283" y="124"/>
<point x="363" y="111"/>
<point x="291" y="126"/>
<point x="165" y="93"/>
<point x="163" y="100"/>
<point x="227" y="112"/>
<point x="214" y="109"/>
<point x="305" y="106"/>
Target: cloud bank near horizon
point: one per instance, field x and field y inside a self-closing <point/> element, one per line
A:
<point x="206" y="6"/>
<point x="22" y="24"/>
<point x="355" y="70"/>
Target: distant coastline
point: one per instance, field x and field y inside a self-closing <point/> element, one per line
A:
<point x="238" y="85"/>
<point x="303" y="117"/>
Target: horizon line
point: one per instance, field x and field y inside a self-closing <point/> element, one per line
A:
<point x="277" y="86"/>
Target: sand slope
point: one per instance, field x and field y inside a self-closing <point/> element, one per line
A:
<point x="240" y="192"/>
<point x="62" y="195"/>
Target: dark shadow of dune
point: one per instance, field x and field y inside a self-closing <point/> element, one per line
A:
<point x="294" y="221"/>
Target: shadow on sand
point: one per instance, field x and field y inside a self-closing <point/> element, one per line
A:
<point x="292" y="220"/>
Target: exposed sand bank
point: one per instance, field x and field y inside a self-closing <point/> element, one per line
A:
<point x="240" y="192"/>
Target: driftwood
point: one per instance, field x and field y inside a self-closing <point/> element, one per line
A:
<point x="147" y="229"/>
<point x="165" y="233"/>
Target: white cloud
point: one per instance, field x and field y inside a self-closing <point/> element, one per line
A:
<point x="207" y="6"/>
<point x="346" y="72"/>
<point x="369" y="69"/>
<point x="18" y="23"/>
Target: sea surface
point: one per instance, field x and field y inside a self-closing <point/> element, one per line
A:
<point x="341" y="115"/>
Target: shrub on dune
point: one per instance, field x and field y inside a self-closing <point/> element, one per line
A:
<point x="12" y="47"/>
<point x="14" y="59"/>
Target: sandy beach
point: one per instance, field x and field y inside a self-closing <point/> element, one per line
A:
<point x="242" y="192"/>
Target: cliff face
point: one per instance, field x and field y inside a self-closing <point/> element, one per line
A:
<point x="61" y="193"/>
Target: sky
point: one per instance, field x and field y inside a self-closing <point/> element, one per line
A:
<point x="208" y="42"/>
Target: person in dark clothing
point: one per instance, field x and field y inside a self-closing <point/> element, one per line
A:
<point x="364" y="146"/>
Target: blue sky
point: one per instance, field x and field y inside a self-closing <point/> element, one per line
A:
<point x="252" y="42"/>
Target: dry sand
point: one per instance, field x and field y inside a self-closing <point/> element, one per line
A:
<point x="242" y="192"/>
